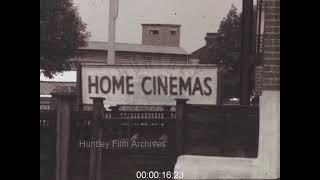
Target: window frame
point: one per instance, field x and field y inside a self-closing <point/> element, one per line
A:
<point x="173" y="30"/>
<point x="151" y="31"/>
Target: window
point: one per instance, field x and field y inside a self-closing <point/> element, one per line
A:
<point x="153" y="32"/>
<point x="173" y="32"/>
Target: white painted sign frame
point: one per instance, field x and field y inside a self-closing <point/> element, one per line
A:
<point x="138" y="71"/>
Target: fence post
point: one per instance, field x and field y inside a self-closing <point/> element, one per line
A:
<point x="219" y="86"/>
<point x="96" y="135"/>
<point x="52" y="147"/>
<point x="166" y="112"/>
<point x="114" y="111"/>
<point x="64" y="96"/>
<point x="180" y="126"/>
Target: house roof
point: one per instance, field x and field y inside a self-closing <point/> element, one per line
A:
<point x="95" y="45"/>
<point x="172" y="25"/>
<point x="198" y="52"/>
<point x="46" y="87"/>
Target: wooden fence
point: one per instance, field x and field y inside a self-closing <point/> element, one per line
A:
<point x="121" y="163"/>
<point x="189" y="129"/>
<point x="47" y="144"/>
<point x="229" y="131"/>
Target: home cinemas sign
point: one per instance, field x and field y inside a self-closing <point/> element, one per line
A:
<point x="149" y="84"/>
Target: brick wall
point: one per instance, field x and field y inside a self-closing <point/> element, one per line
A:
<point x="271" y="55"/>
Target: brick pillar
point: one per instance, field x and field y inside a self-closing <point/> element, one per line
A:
<point x="269" y="130"/>
<point x="271" y="55"/>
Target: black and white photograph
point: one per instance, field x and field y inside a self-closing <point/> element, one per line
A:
<point x="159" y="89"/>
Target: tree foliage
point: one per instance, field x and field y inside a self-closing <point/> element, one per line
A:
<point x="62" y="32"/>
<point x="228" y="53"/>
<point x="225" y="52"/>
<point x="228" y="46"/>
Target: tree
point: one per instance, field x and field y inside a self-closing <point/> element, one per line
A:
<point x="62" y="32"/>
<point x="225" y="52"/>
<point x="228" y="46"/>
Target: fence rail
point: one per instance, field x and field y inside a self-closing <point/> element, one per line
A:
<point x="146" y="115"/>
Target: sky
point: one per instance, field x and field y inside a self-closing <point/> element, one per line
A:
<point x="197" y="17"/>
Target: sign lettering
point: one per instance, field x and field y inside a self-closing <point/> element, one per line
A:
<point x="149" y="84"/>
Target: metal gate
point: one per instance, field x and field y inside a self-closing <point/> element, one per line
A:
<point x="124" y="130"/>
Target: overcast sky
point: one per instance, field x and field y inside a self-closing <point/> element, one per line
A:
<point x="197" y="17"/>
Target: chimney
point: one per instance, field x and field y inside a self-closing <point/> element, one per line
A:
<point x="210" y="38"/>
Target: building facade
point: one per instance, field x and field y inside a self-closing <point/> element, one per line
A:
<point x="161" y="34"/>
<point x="205" y="54"/>
<point x="46" y="88"/>
<point x="133" y="54"/>
<point x="160" y="45"/>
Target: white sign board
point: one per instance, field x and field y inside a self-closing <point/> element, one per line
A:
<point x="149" y="84"/>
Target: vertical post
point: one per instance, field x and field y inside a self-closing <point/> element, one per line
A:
<point x="219" y="86"/>
<point x="169" y="130"/>
<point x="167" y="112"/>
<point x="112" y="26"/>
<point x="246" y="48"/>
<point x="180" y="126"/>
<point x="114" y="111"/>
<point x="96" y="135"/>
<point x="52" y="145"/>
<point x="63" y="107"/>
<point x="259" y="14"/>
<point x="78" y="87"/>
